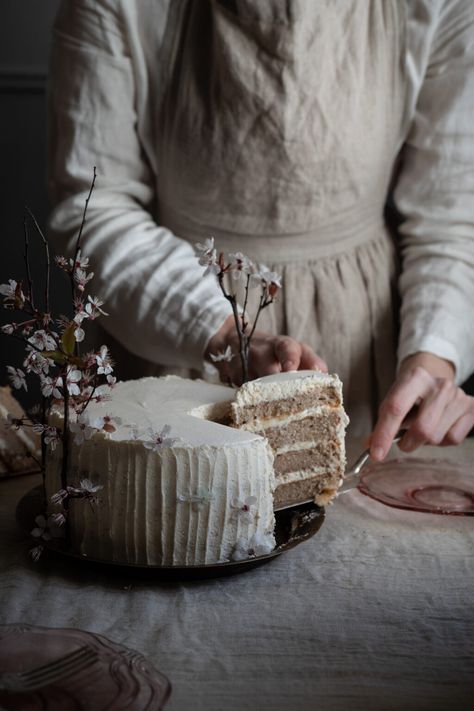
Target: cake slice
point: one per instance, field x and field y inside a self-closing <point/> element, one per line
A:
<point x="302" y="417"/>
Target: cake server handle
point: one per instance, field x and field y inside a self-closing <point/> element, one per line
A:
<point x="351" y="476"/>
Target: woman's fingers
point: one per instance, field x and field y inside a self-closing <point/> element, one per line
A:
<point x="425" y="424"/>
<point x="444" y="414"/>
<point x="311" y="361"/>
<point x="268" y="355"/>
<point x="460" y="429"/>
<point x="408" y="390"/>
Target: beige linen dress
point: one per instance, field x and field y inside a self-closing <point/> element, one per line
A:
<point x="274" y="127"/>
<point x="266" y="142"/>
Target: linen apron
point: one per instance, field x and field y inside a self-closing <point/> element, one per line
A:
<point x="279" y="126"/>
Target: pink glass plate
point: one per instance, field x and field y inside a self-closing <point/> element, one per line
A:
<point x="119" y="678"/>
<point x="427" y="485"/>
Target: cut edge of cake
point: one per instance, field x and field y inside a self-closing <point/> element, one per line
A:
<point x="301" y="415"/>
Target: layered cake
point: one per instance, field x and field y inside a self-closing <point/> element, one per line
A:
<point x="176" y="486"/>
<point x="302" y="417"/>
<point x="188" y="476"/>
<point x="20" y="449"/>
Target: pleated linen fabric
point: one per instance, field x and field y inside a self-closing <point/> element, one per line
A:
<point x="255" y="149"/>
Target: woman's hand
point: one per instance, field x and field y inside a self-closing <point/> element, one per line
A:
<point x="268" y="354"/>
<point x="425" y="400"/>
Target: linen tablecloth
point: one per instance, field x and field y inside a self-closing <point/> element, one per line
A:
<point x="374" y="612"/>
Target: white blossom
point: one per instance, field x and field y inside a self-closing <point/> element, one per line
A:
<point x="258" y="545"/>
<point x="50" y="387"/>
<point x="11" y="292"/>
<point x="245" y="509"/>
<point x="82" y="278"/>
<point x="240" y="265"/>
<point x="42" y="340"/>
<point x="51" y="437"/>
<point x="47" y="528"/>
<point x="8" y="328"/>
<point x="207" y="256"/>
<point x="17" y="377"/>
<point x="103" y="362"/>
<point x="72" y="378"/>
<point x="81" y="429"/>
<point x="36" y="552"/>
<point x="92" y="308"/>
<point x="266" y="277"/>
<point x="226" y="355"/>
<point x="36" y="363"/>
<point x="157" y="440"/>
<point x="198" y="500"/>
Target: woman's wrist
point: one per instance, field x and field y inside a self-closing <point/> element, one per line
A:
<point x="436" y="366"/>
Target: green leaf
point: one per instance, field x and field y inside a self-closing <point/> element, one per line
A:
<point x="57" y="356"/>
<point x="68" y="339"/>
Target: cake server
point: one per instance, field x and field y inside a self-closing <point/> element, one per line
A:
<point x="350" y="477"/>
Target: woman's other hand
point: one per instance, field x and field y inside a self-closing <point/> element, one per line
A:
<point x="268" y="354"/>
<point x="425" y="400"/>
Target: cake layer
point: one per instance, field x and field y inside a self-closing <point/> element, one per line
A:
<point x="284" y="407"/>
<point x="321" y="454"/>
<point x="319" y="426"/>
<point x="321" y="488"/>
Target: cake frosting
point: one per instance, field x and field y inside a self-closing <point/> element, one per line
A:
<point x="302" y="417"/>
<point x="202" y="495"/>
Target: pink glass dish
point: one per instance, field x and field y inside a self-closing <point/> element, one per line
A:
<point x="119" y="679"/>
<point x="426" y="485"/>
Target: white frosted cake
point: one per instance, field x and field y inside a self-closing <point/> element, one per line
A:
<point x="302" y="417"/>
<point x="205" y="497"/>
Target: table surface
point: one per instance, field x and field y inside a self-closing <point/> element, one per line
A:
<point x="374" y="612"/>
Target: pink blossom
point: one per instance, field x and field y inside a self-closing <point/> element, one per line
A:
<point x="17" y="377"/>
<point x="207" y="256"/>
<point x="62" y="262"/>
<point x="58" y="497"/>
<point x="8" y="328"/>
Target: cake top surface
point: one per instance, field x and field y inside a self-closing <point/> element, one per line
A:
<point x="188" y="407"/>
<point x="281" y="385"/>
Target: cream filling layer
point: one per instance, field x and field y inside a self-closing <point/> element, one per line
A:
<point x="303" y="474"/>
<point x="268" y="422"/>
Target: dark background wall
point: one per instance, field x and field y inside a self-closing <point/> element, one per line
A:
<point x="25" y="31"/>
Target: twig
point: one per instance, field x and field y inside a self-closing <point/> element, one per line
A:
<point x="79" y="236"/>
<point x="27" y="264"/>
<point x="48" y="261"/>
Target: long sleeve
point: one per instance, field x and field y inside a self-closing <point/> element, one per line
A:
<point x="160" y="305"/>
<point x="435" y="195"/>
